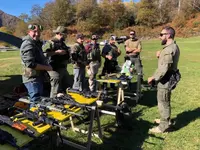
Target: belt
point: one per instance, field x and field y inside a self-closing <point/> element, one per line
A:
<point x="133" y="56"/>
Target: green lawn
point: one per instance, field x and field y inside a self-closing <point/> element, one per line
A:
<point x="185" y="103"/>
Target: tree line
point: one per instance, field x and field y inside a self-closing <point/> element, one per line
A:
<point x="100" y="16"/>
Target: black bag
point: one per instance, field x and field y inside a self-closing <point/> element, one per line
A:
<point x="174" y="79"/>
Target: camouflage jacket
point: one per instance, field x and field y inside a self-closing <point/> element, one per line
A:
<point x="78" y="55"/>
<point x="93" y="52"/>
<point x="57" y="61"/>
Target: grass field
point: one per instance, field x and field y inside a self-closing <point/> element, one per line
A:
<point x="185" y="104"/>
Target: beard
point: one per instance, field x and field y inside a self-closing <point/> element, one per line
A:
<point x="163" y="42"/>
<point x="62" y="39"/>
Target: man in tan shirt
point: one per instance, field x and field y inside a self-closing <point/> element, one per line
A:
<point x="133" y="49"/>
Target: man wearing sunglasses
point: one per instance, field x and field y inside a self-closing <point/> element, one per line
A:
<point x="34" y="63"/>
<point x="133" y="49"/>
<point x="58" y="56"/>
<point x="167" y="65"/>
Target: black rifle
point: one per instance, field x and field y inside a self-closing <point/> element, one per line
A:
<point x="16" y="125"/>
<point x="87" y="94"/>
<point x="44" y="119"/>
<point x="67" y="100"/>
<point x="46" y="105"/>
<point x="38" y="117"/>
<point x="30" y="115"/>
<point x="6" y="137"/>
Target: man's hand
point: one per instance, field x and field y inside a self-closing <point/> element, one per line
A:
<point x="136" y="50"/>
<point x="150" y="79"/>
<point x="130" y="49"/>
<point x="60" y="52"/>
<point x="109" y="57"/>
<point x="158" y="54"/>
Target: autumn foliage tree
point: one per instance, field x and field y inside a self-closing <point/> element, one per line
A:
<point x="147" y="13"/>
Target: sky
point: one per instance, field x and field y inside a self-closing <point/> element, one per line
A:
<point x="17" y="7"/>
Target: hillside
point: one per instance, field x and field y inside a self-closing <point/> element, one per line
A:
<point x="8" y="20"/>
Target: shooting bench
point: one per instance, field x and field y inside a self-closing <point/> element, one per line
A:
<point x="23" y="139"/>
<point x="122" y="85"/>
<point x="121" y="93"/>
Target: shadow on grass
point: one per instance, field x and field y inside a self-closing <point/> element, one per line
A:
<point x="184" y="118"/>
<point x="149" y="96"/>
<point x="121" y="138"/>
<point x="125" y="138"/>
<point x="8" y="85"/>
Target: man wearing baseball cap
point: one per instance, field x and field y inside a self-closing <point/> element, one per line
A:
<point x="110" y="52"/>
<point x="94" y="61"/>
<point x="79" y="60"/>
<point x="58" y="56"/>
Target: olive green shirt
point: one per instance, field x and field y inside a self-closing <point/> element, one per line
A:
<point x="56" y="61"/>
<point x="168" y="60"/>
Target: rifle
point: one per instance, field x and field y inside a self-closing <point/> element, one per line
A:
<point x="46" y="105"/>
<point x="16" y="125"/>
<point x="30" y="115"/>
<point x="87" y="94"/>
<point x="43" y="119"/>
<point x="6" y="137"/>
<point x="67" y="100"/>
<point x="39" y="117"/>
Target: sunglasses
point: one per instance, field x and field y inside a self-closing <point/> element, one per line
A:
<point x="34" y="26"/>
<point x="161" y="34"/>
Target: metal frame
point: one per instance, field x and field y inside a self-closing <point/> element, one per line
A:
<point x="121" y="94"/>
<point x="61" y="139"/>
<point x="94" y="111"/>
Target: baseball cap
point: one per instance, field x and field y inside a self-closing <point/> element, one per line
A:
<point x="59" y="29"/>
<point x="94" y="37"/>
<point x="132" y="32"/>
<point x="79" y="36"/>
<point x="112" y="38"/>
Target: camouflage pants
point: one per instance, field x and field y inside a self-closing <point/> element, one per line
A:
<point x="59" y="79"/>
<point x="94" y="67"/>
<point x="163" y="98"/>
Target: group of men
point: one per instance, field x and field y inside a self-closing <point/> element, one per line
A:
<point x="54" y="55"/>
